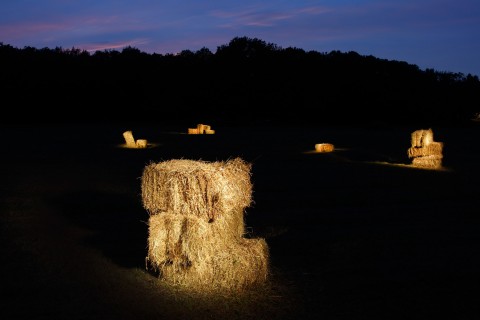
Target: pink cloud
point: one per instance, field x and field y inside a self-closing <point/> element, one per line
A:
<point x="16" y="31"/>
<point x="116" y="45"/>
<point x="256" y="16"/>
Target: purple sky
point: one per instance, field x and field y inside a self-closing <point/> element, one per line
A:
<point x="439" y="34"/>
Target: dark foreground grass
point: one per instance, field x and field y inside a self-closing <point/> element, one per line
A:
<point x="353" y="234"/>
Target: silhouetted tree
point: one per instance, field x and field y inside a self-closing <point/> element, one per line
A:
<point x="245" y="81"/>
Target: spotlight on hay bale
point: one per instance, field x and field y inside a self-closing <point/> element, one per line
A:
<point x="131" y="143"/>
<point x="424" y="151"/>
<point x="196" y="225"/>
<point x="431" y="161"/>
<point x="201" y="129"/>
<point x="421" y="138"/>
<point x="324" y="147"/>
<point x="141" y="143"/>
<point x="129" y="140"/>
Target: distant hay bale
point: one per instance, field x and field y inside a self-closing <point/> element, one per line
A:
<point x="433" y="162"/>
<point x="324" y="147"/>
<point x="141" y="143"/>
<point x="421" y="138"/>
<point x="129" y="140"/>
<point x="425" y="152"/>
<point x="201" y="129"/>
<point x="196" y="224"/>
<point x="187" y="251"/>
<point x="433" y="148"/>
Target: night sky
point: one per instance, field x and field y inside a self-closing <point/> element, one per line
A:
<point x="440" y="34"/>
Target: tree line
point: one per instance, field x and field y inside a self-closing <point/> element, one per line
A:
<point x="247" y="81"/>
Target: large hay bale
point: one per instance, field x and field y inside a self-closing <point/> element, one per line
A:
<point x="129" y="140"/>
<point x="196" y="224"/>
<point x="187" y="251"/>
<point x="204" y="189"/>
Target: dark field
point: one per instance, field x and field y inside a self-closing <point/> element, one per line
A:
<point x="353" y="234"/>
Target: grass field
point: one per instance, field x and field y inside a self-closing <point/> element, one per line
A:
<point x="353" y="234"/>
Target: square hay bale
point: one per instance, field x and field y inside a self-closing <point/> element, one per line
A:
<point x="141" y="143"/>
<point x="201" y="128"/>
<point x="204" y="189"/>
<point x="324" y="147"/>
<point x="432" y="162"/>
<point x="129" y="140"/>
<point x="186" y="251"/>
<point x="434" y="148"/>
<point x="421" y="138"/>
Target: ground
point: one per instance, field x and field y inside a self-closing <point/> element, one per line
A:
<point x="356" y="233"/>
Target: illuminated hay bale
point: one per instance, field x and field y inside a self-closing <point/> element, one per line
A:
<point x="425" y="152"/>
<point x="324" y="147"/>
<point x="188" y="252"/>
<point x="421" y="138"/>
<point x="201" y="129"/>
<point x="432" y="161"/>
<point x="196" y="187"/>
<point x="196" y="224"/>
<point x="129" y="140"/>
<point x="141" y="143"/>
<point x="131" y="143"/>
<point x="434" y="148"/>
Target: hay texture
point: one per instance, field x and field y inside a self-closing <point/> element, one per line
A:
<point x="196" y="225"/>
<point x="324" y="147"/>
<point x="424" y="151"/>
